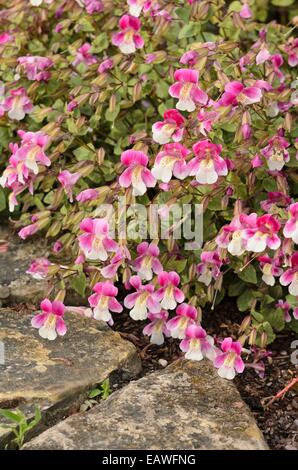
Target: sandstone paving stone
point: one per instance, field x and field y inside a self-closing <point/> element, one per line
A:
<point x="185" y="406"/>
<point x="15" y="285"/>
<point x="57" y="375"/>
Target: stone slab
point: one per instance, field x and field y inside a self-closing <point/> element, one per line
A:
<point x="15" y="285"/>
<point x="55" y="375"/>
<point x="187" y="406"/>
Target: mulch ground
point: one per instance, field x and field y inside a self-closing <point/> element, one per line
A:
<point x="279" y="420"/>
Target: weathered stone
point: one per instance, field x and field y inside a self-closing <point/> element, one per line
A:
<point x="15" y="285"/>
<point x="57" y="375"/>
<point x="185" y="406"/>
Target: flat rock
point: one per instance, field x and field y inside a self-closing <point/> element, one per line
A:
<point x="185" y="406"/>
<point x="57" y="375"/>
<point x="15" y="285"/>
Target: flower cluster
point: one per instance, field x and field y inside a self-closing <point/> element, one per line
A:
<point x="166" y="106"/>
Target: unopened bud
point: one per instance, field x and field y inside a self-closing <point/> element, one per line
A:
<point x="252" y="337"/>
<point x="61" y="295"/>
<point x="137" y="92"/>
<point x="245" y="323"/>
<point x="100" y="155"/>
<point x="54" y="229"/>
<point x="264" y="339"/>
<point x="112" y="103"/>
<point x="288" y="122"/>
<point x="192" y="271"/>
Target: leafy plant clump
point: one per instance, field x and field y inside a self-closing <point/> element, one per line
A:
<point x="115" y="115"/>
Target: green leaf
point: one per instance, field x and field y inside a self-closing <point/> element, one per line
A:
<point x="79" y="283"/>
<point x="190" y="29"/>
<point x="11" y="415"/>
<point x="100" y="43"/>
<point x="183" y="13"/>
<point x="94" y="393"/>
<point x="282" y="3"/>
<point x="248" y="274"/>
<point x="2" y="200"/>
<point x="244" y="301"/>
<point x="235" y="289"/>
<point x="276" y="318"/>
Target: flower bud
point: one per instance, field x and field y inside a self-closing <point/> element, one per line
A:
<point x="246" y="322"/>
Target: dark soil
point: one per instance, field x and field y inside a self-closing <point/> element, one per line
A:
<point x="279" y="420"/>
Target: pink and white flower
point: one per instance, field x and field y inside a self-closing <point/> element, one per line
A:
<point x="157" y="328"/>
<point x="119" y="259"/>
<point x="169" y="294"/>
<point x="275" y="152"/>
<point x="95" y="241"/>
<point x="32" y="150"/>
<point x="87" y="195"/>
<point x="209" y="268"/>
<point x="197" y="344"/>
<point x="29" y="230"/>
<point x="50" y="322"/>
<point x="93" y="6"/>
<point x="275" y="198"/>
<point x="229" y="362"/>
<point x="17" y="104"/>
<point x="39" y="268"/>
<point x="186" y="315"/>
<point x="263" y="235"/>
<point x="105" y="65"/>
<point x="136" y="175"/>
<point x="104" y="301"/>
<point x="236" y="93"/>
<point x="291" y="49"/>
<point x="171" y="161"/>
<point x="83" y="56"/>
<point x="232" y="235"/>
<point x="172" y="127"/>
<point x="286" y="307"/>
<point x="142" y="301"/>
<point x="68" y="180"/>
<point x="147" y="261"/>
<point x="128" y="39"/>
<point x="187" y="91"/>
<point x="136" y="6"/>
<point x="290" y="276"/>
<point x="245" y="11"/>
<point x="35" y="67"/>
<point x="207" y="165"/>
<point x="291" y="226"/>
<point x="270" y="268"/>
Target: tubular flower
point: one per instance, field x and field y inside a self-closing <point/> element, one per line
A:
<point x="186" y="316"/>
<point x="169" y="294"/>
<point x="104" y="301"/>
<point x="207" y="165"/>
<point x="263" y="235"/>
<point x="171" y="128"/>
<point x="171" y="161"/>
<point x="17" y="104"/>
<point x="229" y="361"/>
<point x="291" y="227"/>
<point x="157" y="328"/>
<point x="290" y="276"/>
<point x="147" y="261"/>
<point x="270" y="268"/>
<point x="128" y="39"/>
<point x="197" y="344"/>
<point x="187" y="91"/>
<point x="95" y="241"/>
<point x="50" y="322"/>
<point x="142" y="301"/>
<point x="136" y="175"/>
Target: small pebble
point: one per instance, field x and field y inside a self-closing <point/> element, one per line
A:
<point x="283" y="353"/>
<point x="163" y="362"/>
